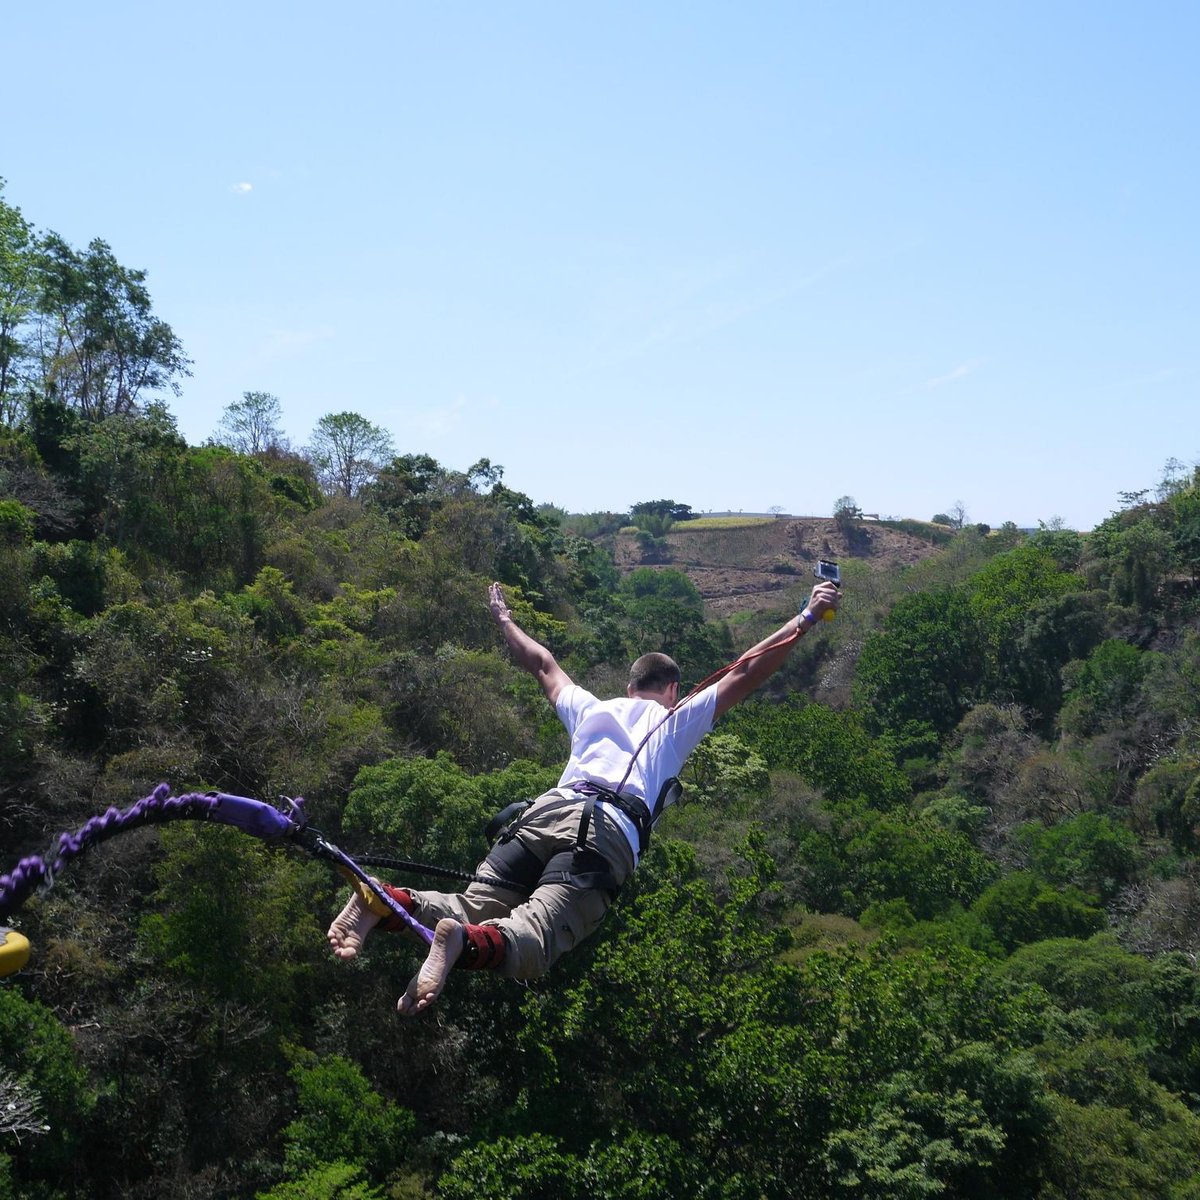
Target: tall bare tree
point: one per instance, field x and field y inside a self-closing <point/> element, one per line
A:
<point x="347" y="451"/>
<point x="251" y="425"/>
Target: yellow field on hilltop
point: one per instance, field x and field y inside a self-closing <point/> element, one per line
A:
<point x="698" y="523"/>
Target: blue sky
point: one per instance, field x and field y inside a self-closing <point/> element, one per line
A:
<point x="735" y="255"/>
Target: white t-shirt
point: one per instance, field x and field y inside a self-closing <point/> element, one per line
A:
<point x="606" y="733"/>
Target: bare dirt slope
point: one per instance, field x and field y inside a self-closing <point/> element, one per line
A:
<point x="742" y="568"/>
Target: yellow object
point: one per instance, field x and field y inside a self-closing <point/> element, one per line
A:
<point x="828" y="615"/>
<point x="14" y="951"/>
<point x="365" y="894"/>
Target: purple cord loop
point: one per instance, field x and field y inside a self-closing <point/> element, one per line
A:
<point x="34" y="871"/>
<point x="250" y="816"/>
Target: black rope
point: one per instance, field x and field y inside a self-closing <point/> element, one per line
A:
<point x="404" y="864"/>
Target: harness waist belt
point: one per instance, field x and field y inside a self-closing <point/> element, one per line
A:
<point x="635" y="809"/>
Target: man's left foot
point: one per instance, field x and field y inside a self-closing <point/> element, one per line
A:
<point x="426" y="985"/>
<point x="350" y="927"/>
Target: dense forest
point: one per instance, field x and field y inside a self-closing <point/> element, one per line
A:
<point x="926" y="925"/>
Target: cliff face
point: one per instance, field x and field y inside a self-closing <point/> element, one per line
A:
<point x="741" y="566"/>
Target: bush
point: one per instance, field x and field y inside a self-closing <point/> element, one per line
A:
<point x="342" y="1118"/>
<point x="519" y="1168"/>
<point x="1089" y="851"/>
<point x="16" y="523"/>
<point x="1022" y="908"/>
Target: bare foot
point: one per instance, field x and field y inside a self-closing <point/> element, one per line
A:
<point x="426" y="985"/>
<point x="350" y="927"/>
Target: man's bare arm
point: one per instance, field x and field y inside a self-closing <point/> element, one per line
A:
<point x="765" y="658"/>
<point x="532" y="656"/>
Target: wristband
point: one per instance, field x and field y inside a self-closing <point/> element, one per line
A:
<point x="807" y="619"/>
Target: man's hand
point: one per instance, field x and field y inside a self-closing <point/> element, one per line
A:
<point x="530" y="655"/>
<point x="762" y="660"/>
<point x="825" y="598"/>
<point x="500" y="610"/>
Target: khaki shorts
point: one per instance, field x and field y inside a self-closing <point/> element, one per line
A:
<point x="538" y="929"/>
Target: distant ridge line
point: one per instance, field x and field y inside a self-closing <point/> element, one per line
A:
<point x="779" y="516"/>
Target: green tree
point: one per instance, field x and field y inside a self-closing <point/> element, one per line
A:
<point x="664" y="611"/>
<point x="101" y="346"/>
<point x="1167" y="801"/>
<point x="829" y="749"/>
<point x="1102" y="1152"/>
<point x="1054" y="631"/>
<point x="348" y="451"/>
<point x="1020" y="601"/>
<point x="1021" y="908"/>
<point x="847" y="515"/>
<point x="915" y="1143"/>
<point x="1133" y="553"/>
<point x="18" y="294"/>
<point x="642" y="1166"/>
<point x="342" y="1119"/>
<point x="123" y="465"/>
<point x="1184" y="510"/>
<point x="1089" y="851"/>
<point x="666" y="509"/>
<point x="432" y="810"/>
<point x="890" y="856"/>
<point x="1065" y="545"/>
<point x="1104" y="688"/>
<point x="251" y="425"/>
<point x="410" y="489"/>
<point x="40" y="1050"/>
<point x="16" y="523"/>
<point x="525" y="1167"/>
<point x="723" y="770"/>
<point x="927" y="664"/>
<point x="1002" y="591"/>
<point x="1150" y="1002"/>
<point x="226" y="919"/>
<point x="329" y="1181"/>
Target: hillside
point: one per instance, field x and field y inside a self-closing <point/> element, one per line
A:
<point x="741" y="566"/>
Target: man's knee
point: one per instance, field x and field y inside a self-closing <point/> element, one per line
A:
<point x="557" y="918"/>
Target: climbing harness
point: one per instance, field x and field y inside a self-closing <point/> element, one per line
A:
<point x="579" y="866"/>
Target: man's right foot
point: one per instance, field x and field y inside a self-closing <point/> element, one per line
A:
<point x="449" y="941"/>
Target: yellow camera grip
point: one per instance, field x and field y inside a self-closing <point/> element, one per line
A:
<point x="14" y="951"/>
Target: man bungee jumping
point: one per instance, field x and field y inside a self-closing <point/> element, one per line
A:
<point x="556" y="868"/>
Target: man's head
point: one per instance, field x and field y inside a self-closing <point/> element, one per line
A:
<point x="653" y="674"/>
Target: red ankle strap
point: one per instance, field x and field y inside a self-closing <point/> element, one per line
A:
<point x="393" y="923"/>
<point x="484" y="949"/>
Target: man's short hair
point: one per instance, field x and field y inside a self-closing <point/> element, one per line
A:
<point x="653" y="672"/>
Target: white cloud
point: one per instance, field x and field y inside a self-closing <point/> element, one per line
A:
<point x="241" y="189"/>
<point x="959" y="372"/>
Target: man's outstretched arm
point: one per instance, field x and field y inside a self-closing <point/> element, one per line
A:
<point x="764" y="659"/>
<point x="531" y="655"/>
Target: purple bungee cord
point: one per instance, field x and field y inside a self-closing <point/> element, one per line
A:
<point x="34" y="871"/>
<point x="250" y="816"/>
